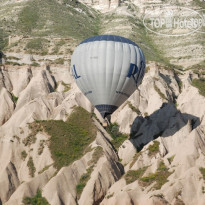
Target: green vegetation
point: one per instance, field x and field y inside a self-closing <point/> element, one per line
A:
<point x="3" y="40"/>
<point x="202" y="170"/>
<point x="23" y="155"/>
<point x="41" y="147"/>
<point x="133" y="175"/>
<point x="200" y="84"/>
<point x="154" y="148"/>
<point x="12" y="58"/>
<point x="66" y="87"/>
<point x="83" y="181"/>
<point x="170" y="159"/>
<point x="12" y="63"/>
<point x="35" y="64"/>
<point x="69" y="139"/>
<point x="97" y="154"/>
<point x="38" y="199"/>
<point x="57" y="47"/>
<point x="30" y="139"/>
<point x="179" y="202"/>
<point x="59" y="61"/>
<point x="133" y="108"/>
<point x="159" y="92"/>
<point x="52" y="18"/>
<point x="37" y="45"/>
<point x="160" y="177"/>
<point x="44" y="169"/>
<point x="110" y="195"/>
<point x="85" y="177"/>
<point x="31" y="167"/>
<point x="135" y="158"/>
<point x="118" y="137"/>
<point x="14" y="98"/>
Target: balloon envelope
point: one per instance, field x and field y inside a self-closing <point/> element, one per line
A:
<point x="108" y="69"/>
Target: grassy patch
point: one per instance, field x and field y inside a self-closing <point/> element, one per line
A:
<point x="154" y="148"/>
<point x="38" y="199"/>
<point x="170" y="159"/>
<point x="160" y="177"/>
<point x="202" y="170"/>
<point x="52" y="18"/>
<point x="200" y="84"/>
<point x="38" y="45"/>
<point x="30" y="139"/>
<point x="14" y="98"/>
<point x="85" y="177"/>
<point x="133" y="108"/>
<point x="179" y="202"/>
<point x="133" y="175"/>
<point x="97" y="154"/>
<point x="83" y="181"/>
<point x="135" y="158"/>
<point x="41" y="147"/>
<point x="12" y="58"/>
<point x="35" y="64"/>
<point x="31" y="167"/>
<point x="68" y="139"/>
<point x="159" y="92"/>
<point x="67" y="87"/>
<point x="44" y="169"/>
<point x="3" y="39"/>
<point x="23" y="155"/>
<point x="59" y="61"/>
<point x="110" y="195"/>
<point x="118" y="137"/>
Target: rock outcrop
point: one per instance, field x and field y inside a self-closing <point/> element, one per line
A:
<point x="149" y="115"/>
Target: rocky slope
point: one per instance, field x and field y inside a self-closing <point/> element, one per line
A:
<point x="153" y="152"/>
<point x="162" y="109"/>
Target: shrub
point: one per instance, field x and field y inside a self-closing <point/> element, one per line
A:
<point x="135" y="159"/>
<point x="31" y="167"/>
<point x="41" y="147"/>
<point x="30" y="139"/>
<point x="160" y="177"/>
<point x="23" y="155"/>
<point x="133" y="108"/>
<point x="67" y="87"/>
<point x="202" y="170"/>
<point x="36" y="200"/>
<point x="83" y="181"/>
<point x="35" y="64"/>
<point x="170" y="159"/>
<point x="59" y="61"/>
<point x="14" y="98"/>
<point x="159" y="92"/>
<point x="133" y="175"/>
<point x="154" y="148"/>
<point x="118" y="137"/>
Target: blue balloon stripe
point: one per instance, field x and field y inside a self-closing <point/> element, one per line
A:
<point x="109" y="38"/>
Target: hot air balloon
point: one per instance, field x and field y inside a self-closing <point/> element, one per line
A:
<point x="108" y="69"/>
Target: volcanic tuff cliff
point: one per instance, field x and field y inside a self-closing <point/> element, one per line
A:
<point x="52" y="146"/>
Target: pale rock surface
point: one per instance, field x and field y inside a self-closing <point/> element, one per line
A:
<point x="179" y="131"/>
<point x="6" y="105"/>
<point x="102" y="5"/>
<point x="62" y="187"/>
<point x="41" y="84"/>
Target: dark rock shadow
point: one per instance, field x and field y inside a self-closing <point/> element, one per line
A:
<point x="1" y="57"/>
<point x="164" y="122"/>
<point x="53" y="78"/>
